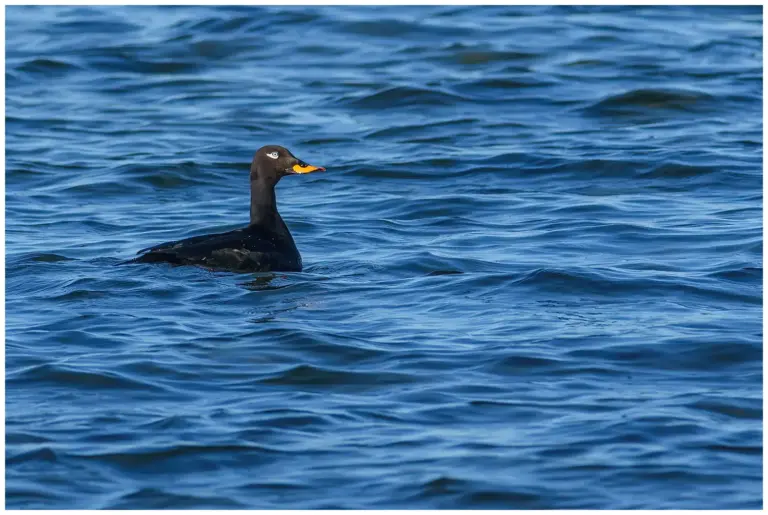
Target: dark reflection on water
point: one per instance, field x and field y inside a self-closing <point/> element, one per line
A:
<point x="532" y="271"/>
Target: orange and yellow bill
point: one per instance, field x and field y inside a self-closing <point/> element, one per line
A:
<point x="307" y="169"/>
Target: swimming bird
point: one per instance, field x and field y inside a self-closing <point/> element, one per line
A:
<point x="265" y="245"/>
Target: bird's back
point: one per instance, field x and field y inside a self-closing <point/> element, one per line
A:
<point x="252" y="249"/>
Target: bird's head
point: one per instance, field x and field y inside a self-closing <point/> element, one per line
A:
<point x="272" y="162"/>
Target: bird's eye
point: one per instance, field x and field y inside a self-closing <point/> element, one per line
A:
<point x="273" y="155"/>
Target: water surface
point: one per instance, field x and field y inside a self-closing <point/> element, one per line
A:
<point x="532" y="271"/>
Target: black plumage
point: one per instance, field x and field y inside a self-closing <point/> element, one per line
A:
<point x="265" y="245"/>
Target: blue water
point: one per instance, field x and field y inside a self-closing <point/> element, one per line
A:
<point x="532" y="270"/>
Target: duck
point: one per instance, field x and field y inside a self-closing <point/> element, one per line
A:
<point x="265" y="245"/>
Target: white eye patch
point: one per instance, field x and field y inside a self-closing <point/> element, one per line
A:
<point x="273" y="155"/>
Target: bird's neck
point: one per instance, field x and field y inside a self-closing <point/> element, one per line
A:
<point x="263" y="204"/>
<point x="264" y="211"/>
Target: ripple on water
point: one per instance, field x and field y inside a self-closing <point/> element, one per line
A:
<point x="533" y="269"/>
<point x="650" y="102"/>
<point x="403" y="96"/>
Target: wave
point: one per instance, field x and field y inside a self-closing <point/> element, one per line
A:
<point x="162" y="498"/>
<point x="652" y="103"/>
<point x="65" y="375"/>
<point x="336" y="379"/>
<point x="403" y="96"/>
<point x="46" y="67"/>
